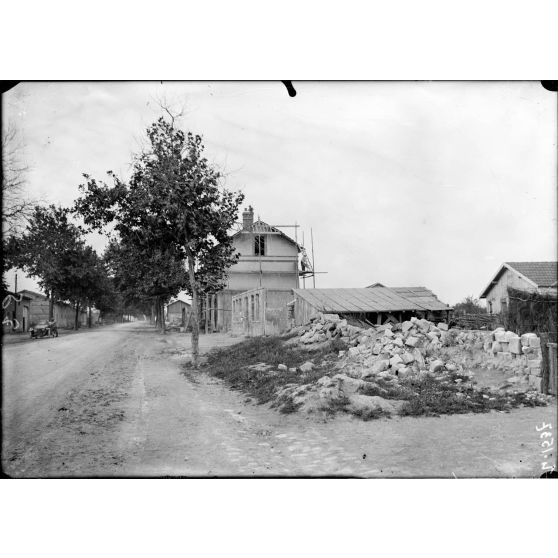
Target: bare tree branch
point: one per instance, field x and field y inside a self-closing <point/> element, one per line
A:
<point x="16" y="206"/>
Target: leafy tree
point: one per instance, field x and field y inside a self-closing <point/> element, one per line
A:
<point x="174" y="201"/>
<point x="144" y="276"/>
<point x="43" y="251"/>
<point x="469" y="305"/>
<point x="84" y="277"/>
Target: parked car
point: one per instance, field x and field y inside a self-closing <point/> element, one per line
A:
<point x="44" y="329"/>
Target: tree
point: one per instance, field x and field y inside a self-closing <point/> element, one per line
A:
<point x="145" y="275"/>
<point x="174" y="198"/>
<point x="45" y="248"/>
<point x="469" y="305"/>
<point x="84" y="276"/>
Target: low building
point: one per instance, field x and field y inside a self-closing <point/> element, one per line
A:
<point x="178" y="312"/>
<point x="35" y="309"/>
<point x="541" y="277"/>
<point x="376" y="304"/>
<point x="16" y="311"/>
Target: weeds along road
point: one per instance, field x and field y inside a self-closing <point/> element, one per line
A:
<point x="113" y="402"/>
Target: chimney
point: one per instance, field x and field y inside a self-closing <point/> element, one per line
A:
<point x="248" y="218"/>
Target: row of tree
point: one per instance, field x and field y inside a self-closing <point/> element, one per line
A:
<point x="167" y="227"/>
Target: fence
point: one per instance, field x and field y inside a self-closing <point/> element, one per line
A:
<point x="549" y="363"/>
<point x="477" y="321"/>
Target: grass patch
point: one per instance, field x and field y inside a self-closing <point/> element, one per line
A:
<point x="450" y="394"/>
<point x="230" y="364"/>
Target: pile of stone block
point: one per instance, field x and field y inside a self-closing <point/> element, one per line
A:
<point x="414" y="347"/>
<point x="325" y="327"/>
<point x="524" y="352"/>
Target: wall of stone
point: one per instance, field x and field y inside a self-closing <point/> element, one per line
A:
<point x="525" y="351"/>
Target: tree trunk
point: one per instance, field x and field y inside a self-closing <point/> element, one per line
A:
<point x="51" y="306"/>
<point x="76" y="322"/>
<point x="163" y="316"/>
<point x="206" y="314"/>
<point x="89" y="319"/>
<point x="195" y="315"/>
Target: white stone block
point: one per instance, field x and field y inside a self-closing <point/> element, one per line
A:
<point x="395" y="361"/>
<point x="436" y="366"/>
<point x="500" y="336"/>
<point x="534" y="342"/>
<point x="515" y="345"/>
<point x="525" y="338"/>
<point x="496" y="347"/>
<point x="510" y="335"/>
<point x="442" y="326"/>
<point x="412" y="341"/>
<point x="380" y="366"/>
<point x="407" y="358"/>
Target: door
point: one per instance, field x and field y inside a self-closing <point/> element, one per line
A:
<point x="25" y="320"/>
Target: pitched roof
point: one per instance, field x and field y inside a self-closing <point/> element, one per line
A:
<point x="32" y="294"/>
<point x="378" y="299"/>
<point x="259" y="227"/>
<point x="422" y="296"/>
<point x="539" y="274"/>
<point x="543" y="274"/>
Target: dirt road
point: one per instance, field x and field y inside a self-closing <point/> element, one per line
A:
<point x="112" y="402"/>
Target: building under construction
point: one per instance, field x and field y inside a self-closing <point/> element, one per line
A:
<point x="260" y="285"/>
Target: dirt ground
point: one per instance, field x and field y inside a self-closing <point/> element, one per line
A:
<point x="113" y="402"/>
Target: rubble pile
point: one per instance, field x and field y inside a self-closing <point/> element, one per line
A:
<point x="393" y="352"/>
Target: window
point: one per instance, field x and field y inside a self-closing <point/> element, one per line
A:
<point x="259" y="245"/>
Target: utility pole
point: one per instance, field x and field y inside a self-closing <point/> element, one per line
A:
<point x="304" y="276"/>
<point x="313" y="264"/>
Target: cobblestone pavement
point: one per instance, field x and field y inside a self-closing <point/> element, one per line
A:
<point x="116" y="403"/>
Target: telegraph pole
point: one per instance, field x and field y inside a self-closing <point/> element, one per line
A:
<point x="313" y="264"/>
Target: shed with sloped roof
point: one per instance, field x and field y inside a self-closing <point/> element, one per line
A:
<point x="376" y="304"/>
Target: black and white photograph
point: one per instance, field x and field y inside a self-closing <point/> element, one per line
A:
<point x="267" y="279"/>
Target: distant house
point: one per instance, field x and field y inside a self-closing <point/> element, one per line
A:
<point x="268" y="266"/>
<point x="36" y="308"/>
<point x="539" y="277"/>
<point x="178" y="312"/>
<point x="16" y="311"/>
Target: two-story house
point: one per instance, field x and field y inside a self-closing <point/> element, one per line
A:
<point x="269" y="259"/>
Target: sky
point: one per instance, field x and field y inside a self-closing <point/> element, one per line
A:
<point x="431" y="184"/>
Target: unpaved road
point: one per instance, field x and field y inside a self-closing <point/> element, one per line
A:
<point x="112" y="402"/>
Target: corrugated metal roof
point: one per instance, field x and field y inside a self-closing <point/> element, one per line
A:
<point x="377" y="299"/>
<point x="422" y="296"/>
<point x="543" y="274"/>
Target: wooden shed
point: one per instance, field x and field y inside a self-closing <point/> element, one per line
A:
<point x="376" y="304"/>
